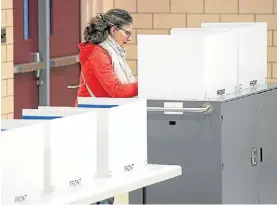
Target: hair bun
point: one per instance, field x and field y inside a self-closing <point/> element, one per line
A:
<point x="98" y="28"/>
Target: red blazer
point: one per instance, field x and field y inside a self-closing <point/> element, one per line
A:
<point x="100" y="76"/>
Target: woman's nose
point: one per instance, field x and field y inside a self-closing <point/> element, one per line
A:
<point x="129" y="38"/>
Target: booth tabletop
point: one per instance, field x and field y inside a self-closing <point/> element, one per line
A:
<point x="105" y="188"/>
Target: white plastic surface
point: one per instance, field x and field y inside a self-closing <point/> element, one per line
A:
<point x="105" y="101"/>
<point x="220" y="58"/>
<point x="170" y="67"/>
<point x="71" y="157"/>
<point x="122" y="135"/>
<point x="15" y="123"/>
<point x="48" y="113"/>
<point x="187" y="65"/>
<point x="252" y="52"/>
<point x="105" y="188"/>
<point x="221" y="61"/>
<point x="22" y="162"/>
<point x="128" y="137"/>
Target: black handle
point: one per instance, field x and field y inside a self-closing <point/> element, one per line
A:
<point x="171" y="122"/>
<point x="261" y="154"/>
<point x="144" y="195"/>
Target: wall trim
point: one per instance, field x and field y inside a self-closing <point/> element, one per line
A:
<point x="88" y="10"/>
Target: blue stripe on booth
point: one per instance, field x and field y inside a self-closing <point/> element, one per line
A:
<point x="40" y="117"/>
<point x="96" y="106"/>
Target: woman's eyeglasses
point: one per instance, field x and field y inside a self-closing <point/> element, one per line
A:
<point x="128" y="33"/>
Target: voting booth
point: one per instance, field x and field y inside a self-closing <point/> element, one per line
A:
<point x="195" y="65"/>
<point x="22" y="161"/>
<point x="30" y="167"/>
<point x="201" y="63"/>
<point x="252" y="51"/>
<point x="219" y="60"/>
<point x="121" y="133"/>
<point x="70" y="160"/>
<point x="224" y="141"/>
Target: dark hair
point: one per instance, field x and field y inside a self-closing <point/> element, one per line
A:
<point x="99" y="27"/>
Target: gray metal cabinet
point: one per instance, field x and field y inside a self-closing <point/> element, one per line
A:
<point x="267" y="137"/>
<point x="239" y="151"/>
<point x="228" y="156"/>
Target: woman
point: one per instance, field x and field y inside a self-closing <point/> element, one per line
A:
<point x="104" y="70"/>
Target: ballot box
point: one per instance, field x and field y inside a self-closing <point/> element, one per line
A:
<point x="189" y="64"/>
<point x="22" y="162"/>
<point x="70" y="160"/>
<point x="252" y="50"/>
<point x="121" y="133"/>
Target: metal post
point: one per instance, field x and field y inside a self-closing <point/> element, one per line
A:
<point x="44" y="51"/>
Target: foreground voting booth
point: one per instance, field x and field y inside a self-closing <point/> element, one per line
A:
<point x="58" y="162"/>
<point x="64" y="155"/>
<point x="122" y="132"/>
<point x="210" y="111"/>
<point x="22" y="161"/>
<point x="70" y="148"/>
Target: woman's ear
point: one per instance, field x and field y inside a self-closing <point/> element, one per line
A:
<point x="112" y="31"/>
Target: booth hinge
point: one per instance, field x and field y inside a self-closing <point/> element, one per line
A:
<point x="222" y="166"/>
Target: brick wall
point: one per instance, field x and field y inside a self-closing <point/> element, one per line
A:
<point x="7" y="86"/>
<point x="158" y="16"/>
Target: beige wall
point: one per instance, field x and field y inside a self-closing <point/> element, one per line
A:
<point x="158" y="16"/>
<point x="7" y="88"/>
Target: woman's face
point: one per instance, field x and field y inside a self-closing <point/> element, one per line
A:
<point x="122" y="35"/>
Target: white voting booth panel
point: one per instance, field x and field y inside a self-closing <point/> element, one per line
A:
<point x="191" y="65"/>
<point x="122" y="134"/>
<point x="103" y="102"/>
<point x="71" y="144"/>
<point x="7" y="124"/>
<point x="22" y="163"/>
<point x="168" y="66"/>
<point x="252" y="51"/>
<point x="219" y="60"/>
